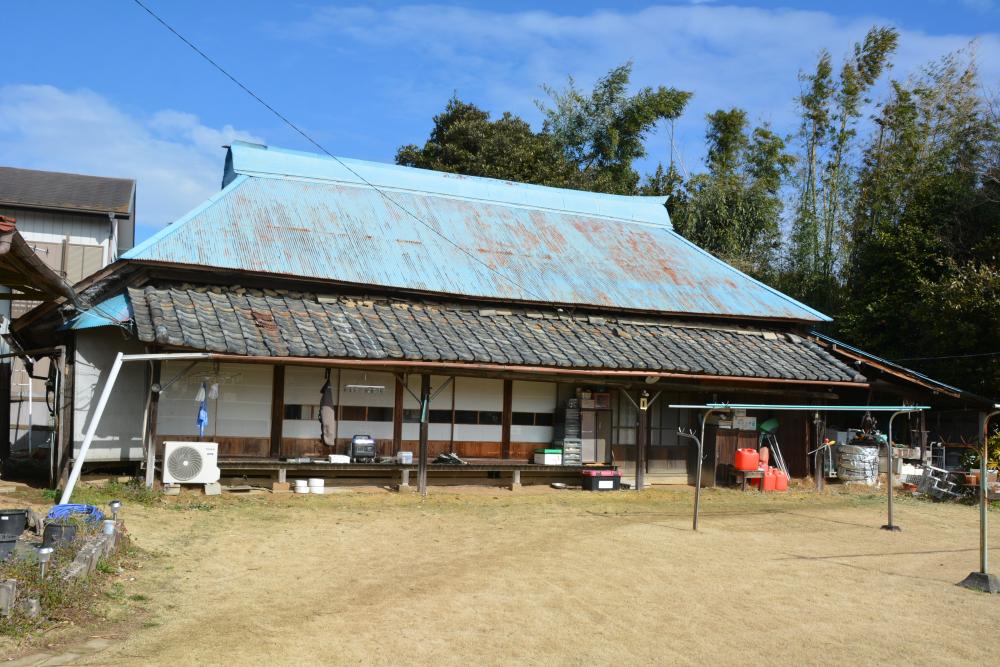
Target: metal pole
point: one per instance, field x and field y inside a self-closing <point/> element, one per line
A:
<point x="89" y="436"/>
<point x="818" y="462"/>
<point x="697" y="473"/>
<point x="983" y="580"/>
<point x="889" y="461"/>
<point x="425" y="401"/>
<point x="984" y="496"/>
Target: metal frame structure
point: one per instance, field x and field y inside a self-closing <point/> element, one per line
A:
<point x="983" y="580"/>
<point x="709" y="408"/>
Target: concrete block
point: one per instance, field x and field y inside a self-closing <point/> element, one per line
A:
<point x="171" y="489"/>
<point x="30" y="607"/>
<point x="213" y="489"/>
<point x="8" y="595"/>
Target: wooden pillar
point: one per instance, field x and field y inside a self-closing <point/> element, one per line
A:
<point x="425" y="409"/>
<point x="505" y="419"/>
<point x="641" y="438"/>
<point x="277" y="410"/>
<point x="150" y="434"/>
<point x="451" y="436"/>
<point x="6" y="366"/>
<point x="66" y="413"/>
<point x="397" y="418"/>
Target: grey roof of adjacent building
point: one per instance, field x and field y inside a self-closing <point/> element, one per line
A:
<point x="273" y="323"/>
<point x="67" y="192"/>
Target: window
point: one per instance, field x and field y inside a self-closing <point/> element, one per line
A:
<point x="293" y="411"/>
<point x="522" y="418"/>
<point x="466" y="417"/>
<point x="544" y="419"/>
<point x="379" y="414"/>
<point x="353" y="413"/>
<point x="412" y="416"/>
<point x="438" y="416"/>
<point x="490" y="418"/>
<point x="531" y="418"/>
<point x="302" y="412"/>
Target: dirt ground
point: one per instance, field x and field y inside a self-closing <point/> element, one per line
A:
<point x="554" y="577"/>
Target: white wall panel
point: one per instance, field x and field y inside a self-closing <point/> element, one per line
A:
<point x="243" y="408"/>
<point x="533" y="396"/>
<point x="119" y="434"/>
<point x="478" y="394"/>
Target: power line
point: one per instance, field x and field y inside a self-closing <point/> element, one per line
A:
<point x="315" y="143"/>
<point x="952" y="356"/>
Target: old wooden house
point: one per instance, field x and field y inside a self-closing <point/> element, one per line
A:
<point x="509" y="303"/>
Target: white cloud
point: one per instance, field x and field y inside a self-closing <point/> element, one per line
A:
<point x="728" y="55"/>
<point x="176" y="159"/>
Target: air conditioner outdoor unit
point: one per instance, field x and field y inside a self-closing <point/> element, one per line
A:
<point x="190" y="462"/>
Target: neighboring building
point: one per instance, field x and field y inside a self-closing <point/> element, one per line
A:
<point x="513" y="301"/>
<point x="76" y="225"/>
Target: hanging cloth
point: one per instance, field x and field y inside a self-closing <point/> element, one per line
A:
<point x="327" y="414"/>
<point x="202" y="420"/>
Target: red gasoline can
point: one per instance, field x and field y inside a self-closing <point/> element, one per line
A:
<point x="765" y="456"/>
<point x="746" y="459"/>
<point x="780" y="481"/>
<point x="770" y="479"/>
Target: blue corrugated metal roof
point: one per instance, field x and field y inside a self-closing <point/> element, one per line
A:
<point x="297" y="214"/>
<point x="108" y="313"/>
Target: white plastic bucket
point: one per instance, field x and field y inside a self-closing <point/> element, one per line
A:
<point x="406" y="458"/>
<point x="108" y="527"/>
<point x="316" y="481"/>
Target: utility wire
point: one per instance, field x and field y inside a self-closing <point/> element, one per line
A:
<point x="952" y="356"/>
<point x="315" y="143"/>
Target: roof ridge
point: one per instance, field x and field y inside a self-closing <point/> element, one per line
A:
<point x="262" y="161"/>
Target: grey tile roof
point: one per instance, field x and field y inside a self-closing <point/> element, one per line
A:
<point x="283" y="323"/>
<point x="52" y="189"/>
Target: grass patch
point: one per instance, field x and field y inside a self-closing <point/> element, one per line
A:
<point x="133" y="491"/>
<point x="65" y="603"/>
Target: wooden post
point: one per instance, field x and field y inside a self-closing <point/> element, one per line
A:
<point x="641" y="436"/>
<point x="397" y="418"/>
<point x="277" y="410"/>
<point x="150" y="434"/>
<point x="67" y="417"/>
<point x="508" y="400"/>
<point x="425" y="409"/>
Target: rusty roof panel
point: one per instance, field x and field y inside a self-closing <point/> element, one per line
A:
<point x="597" y="250"/>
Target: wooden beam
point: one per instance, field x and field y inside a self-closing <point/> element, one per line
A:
<point x="277" y="410"/>
<point x="397" y="417"/>
<point x="508" y="400"/>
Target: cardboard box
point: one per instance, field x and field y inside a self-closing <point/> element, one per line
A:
<point x="745" y="423"/>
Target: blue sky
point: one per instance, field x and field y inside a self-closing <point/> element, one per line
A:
<point x="98" y="87"/>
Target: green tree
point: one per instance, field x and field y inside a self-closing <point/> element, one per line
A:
<point x="923" y="282"/>
<point x="465" y="140"/>
<point x="603" y="133"/>
<point x="734" y="210"/>
<point x="831" y="109"/>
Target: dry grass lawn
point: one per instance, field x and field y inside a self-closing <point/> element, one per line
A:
<point x="545" y="577"/>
